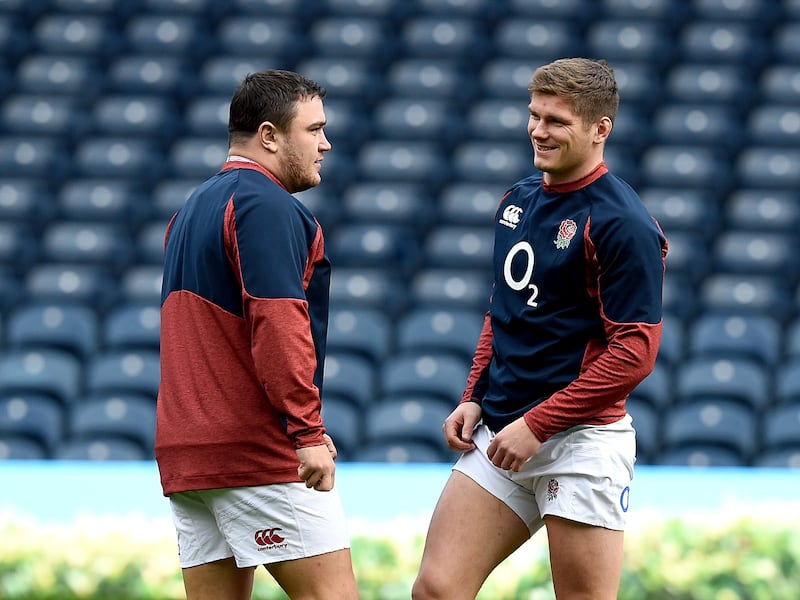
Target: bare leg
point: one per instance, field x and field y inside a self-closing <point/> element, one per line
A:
<point x="586" y="561"/>
<point x="470" y="533"/>
<point x="323" y="577"/>
<point x="219" y="580"/>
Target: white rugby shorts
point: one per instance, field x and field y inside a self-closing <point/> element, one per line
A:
<point x="582" y="474"/>
<point x="257" y="525"/>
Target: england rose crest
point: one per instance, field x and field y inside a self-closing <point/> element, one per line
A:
<point x="566" y="231"/>
<point x="552" y="489"/>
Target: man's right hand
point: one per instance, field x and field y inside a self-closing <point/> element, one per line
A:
<point x="316" y="468"/>
<point x="458" y="426"/>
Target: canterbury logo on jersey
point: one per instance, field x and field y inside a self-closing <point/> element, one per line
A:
<point x="511" y="216"/>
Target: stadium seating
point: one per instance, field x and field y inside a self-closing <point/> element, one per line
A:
<point x="116" y="111"/>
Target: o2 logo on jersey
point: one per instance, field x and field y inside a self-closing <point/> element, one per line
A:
<point x="524" y="250"/>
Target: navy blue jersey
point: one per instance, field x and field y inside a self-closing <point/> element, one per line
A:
<point x="575" y="317"/>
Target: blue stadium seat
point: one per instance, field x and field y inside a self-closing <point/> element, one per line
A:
<point x="780" y="83"/>
<point x="128" y="417"/>
<point x="366" y="332"/>
<point x="142" y="283"/>
<point x="781" y="428"/>
<point x="646" y="422"/>
<point x="681" y="209"/>
<point x="670" y="12"/>
<point x="493" y="162"/>
<point x="399" y="452"/>
<point x="673" y="334"/>
<point x="15" y="37"/>
<point x="719" y="42"/>
<point x="345" y="78"/>
<point x="627" y="40"/>
<point x="137" y="159"/>
<point x="787" y="374"/>
<point x="71" y="34"/>
<point x="580" y="11"/>
<point x="537" y="40"/>
<point x="499" y="119"/>
<point x="219" y="75"/>
<point x="475" y="9"/>
<point x="770" y="253"/>
<point x="751" y="12"/>
<point x="170" y="35"/>
<point x="11" y="292"/>
<point x="698" y="125"/>
<point x="506" y="78"/>
<point x="19" y="247"/>
<point x="623" y="163"/>
<point x="136" y="116"/>
<point x="774" y="124"/>
<point x="633" y="130"/>
<point x="151" y="74"/>
<point x="459" y="246"/>
<point x="80" y="242"/>
<point x="700" y="455"/>
<point x="437" y="374"/>
<point x="769" y="167"/>
<point x="442" y="79"/>
<point x="688" y="166"/>
<point x="199" y="8"/>
<point x="29" y="202"/>
<point x="269" y="7"/>
<point x="35" y="158"/>
<point x="132" y="326"/>
<point x="350" y="377"/>
<point x="69" y="327"/>
<point x="680" y="296"/>
<point x="657" y="389"/>
<point x="470" y="203"/>
<point x="762" y="210"/>
<point x="32" y="416"/>
<point x="453" y="37"/>
<point x="390" y="247"/>
<point x="54" y="373"/>
<point x="723" y="378"/>
<point x="412" y="161"/>
<point x="414" y="418"/>
<point x="63" y="75"/>
<point x="714" y="422"/>
<point x="13" y="447"/>
<point x="196" y="158"/>
<point x="103" y="201"/>
<point x="750" y="293"/>
<point x="324" y="202"/>
<point x="100" y="449"/>
<point x="273" y="38"/>
<point x="353" y="36"/>
<point x="373" y="287"/>
<point x="343" y="423"/>
<point x="149" y="242"/>
<point x="786" y="42"/>
<point x="688" y="254"/>
<point x="82" y="283"/>
<point x="754" y="337"/>
<point x="462" y="288"/>
<point x="170" y="194"/>
<point x="379" y="9"/>
<point x="415" y="119"/>
<point x="389" y="202"/>
<point x="126" y="371"/>
<point x="729" y="84"/>
<point x="207" y="116"/>
<point x="48" y="115"/>
<point x="345" y="127"/>
<point x="108" y="8"/>
<point x="439" y="330"/>
<point x="639" y="84"/>
<point x="778" y="459"/>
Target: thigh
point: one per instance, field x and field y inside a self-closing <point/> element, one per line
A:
<point x="323" y="577"/>
<point x="219" y="579"/>
<point x="586" y="560"/>
<point x="470" y="533"/>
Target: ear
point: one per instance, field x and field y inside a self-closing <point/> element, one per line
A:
<point x="604" y="126"/>
<point x="267" y="136"/>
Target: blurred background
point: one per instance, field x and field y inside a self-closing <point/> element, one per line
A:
<point x="112" y="111"/>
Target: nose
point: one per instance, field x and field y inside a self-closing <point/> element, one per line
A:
<point x="325" y="144"/>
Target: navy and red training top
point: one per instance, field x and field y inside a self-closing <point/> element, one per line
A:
<point x="574" y="323"/>
<point x="244" y="309"/>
